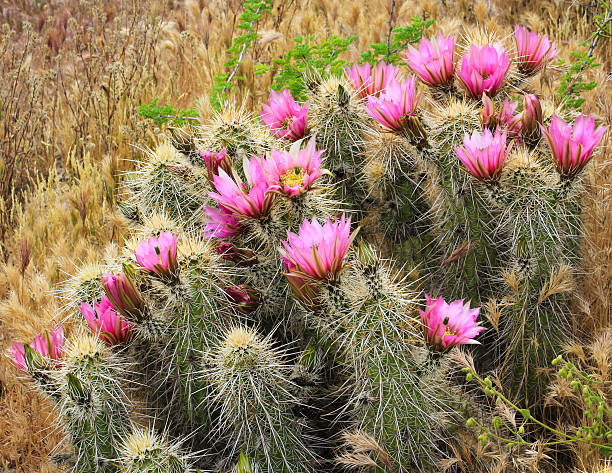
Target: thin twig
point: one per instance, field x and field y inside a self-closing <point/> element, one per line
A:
<point x="597" y="36"/>
<point x="389" y="31"/>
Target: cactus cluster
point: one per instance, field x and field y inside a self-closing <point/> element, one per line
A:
<point x="266" y="312"/>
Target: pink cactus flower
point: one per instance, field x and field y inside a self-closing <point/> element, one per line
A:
<point x="393" y="108"/>
<point x="367" y="80"/>
<point x="47" y="345"/>
<point x="105" y="322"/>
<point x="533" y="50"/>
<point x="505" y="117"/>
<point x="221" y="223"/>
<point x="317" y="251"/>
<point x="214" y="161"/>
<point x="434" y="61"/>
<point x="158" y="255"/>
<point x="253" y="199"/>
<point x="122" y="293"/>
<point x="572" y="146"/>
<point x="243" y="297"/>
<point x="531" y="117"/>
<point x="483" y="70"/>
<point x="484" y="154"/>
<point x="284" y="116"/>
<point x="296" y="170"/>
<point x="447" y="325"/>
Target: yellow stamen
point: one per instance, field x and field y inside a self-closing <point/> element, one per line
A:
<point x="293" y="177"/>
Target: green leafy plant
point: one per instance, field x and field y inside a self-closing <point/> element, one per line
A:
<point x="161" y="114"/>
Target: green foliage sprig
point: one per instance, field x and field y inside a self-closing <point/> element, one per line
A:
<point x="161" y="114"/>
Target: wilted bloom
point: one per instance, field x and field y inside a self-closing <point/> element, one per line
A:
<point x="434" y="61"/>
<point x="504" y="117"/>
<point x="239" y="256"/>
<point x="48" y="345"/>
<point x="484" y="154"/>
<point x="446" y="325"/>
<point x="483" y="70"/>
<point x="214" y="161"/>
<point x="105" y="322"/>
<point x="317" y="251"/>
<point x="533" y="50"/>
<point x="253" y="199"/>
<point x="158" y="255"/>
<point x="221" y="223"/>
<point x="244" y="297"/>
<point x="284" y="116"/>
<point x="294" y="171"/>
<point x="123" y="294"/>
<point x="368" y="80"/>
<point x="396" y="105"/>
<point x="572" y="146"/>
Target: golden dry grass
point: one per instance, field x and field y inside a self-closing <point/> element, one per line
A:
<point x="95" y="62"/>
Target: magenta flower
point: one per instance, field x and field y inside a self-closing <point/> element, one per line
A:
<point x="48" y="345"/>
<point x="483" y="70"/>
<point x="533" y="50"/>
<point x="393" y="108"/>
<point x="572" y="146"/>
<point x="368" y="80"/>
<point x="214" y="161"/>
<point x="243" y="297"/>
<point x="317" y="251"/>
<point x="123" y="295"/>
<point x="447" y="325"/>
<point x="284" y="116"/>
<point x="221" y="223"/>
<point x="158" y="255"/>
<point x="106" y="323"/>
<point x="505" y="117"/>
<point x="296" y="170"/>
<point x="484" y="154"/>
<point x="434" y="61"/>
<point x="253" y="199"/>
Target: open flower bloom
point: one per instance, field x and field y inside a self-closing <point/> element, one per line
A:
<point x="483" y="70"/>
<point x="122" y="293"/>
<point x="158" y="255"/>
<point x="533" y="50"/>
<point x="572" y="146"/>
<point x="317" y="251"/>
<point x="244" y="297"/>
<point x="47" y="345"/>
<point x="484" y="154"/>
<point x="284" y="116"/>
<point x="105" y="322"/>
<point x="220" y="223"/>
<point x="396" y="105"/>
<point x="214" y="161"/>
<point x="253" y="199"/>
<point x="447" y="325"/>
<point x="368" y="80"/>
<point x="296" y="170"/>
<point x="505" y="117"/>
<point x="434" y="61"/>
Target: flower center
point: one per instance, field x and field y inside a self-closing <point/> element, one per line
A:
<point x="287" y="122"/>
<point x="293" y="177"/>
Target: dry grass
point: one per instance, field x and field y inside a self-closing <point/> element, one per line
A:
<point x="81" y="69"/>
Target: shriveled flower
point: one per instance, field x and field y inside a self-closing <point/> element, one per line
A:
<point x="396" y="105"/>
<point x="214" y="161"/>
<point x="284" y="116"/>
<point x="243" y="297"/>
<point x="240" y="256"/>
<point x="433" y="61"/>
<point x="572" y="146"/>
<point x="221" y="223"/>
<point x="317" y="251"/>
<point x="296" y="170"/>
<point x="447" y="325"/>
<point x="253" y="199"/>
<point x="483" y="70"/>
<point x="48" y="345"/>
<point x="533" y="50"/>
<point x="122" y="293"/>
<point x="367" y="80"/>
<point x="158" y="255"/>
<point x="484" y="154"/>
<point x="105" y="322"/>
<point x="504" y="117"/>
